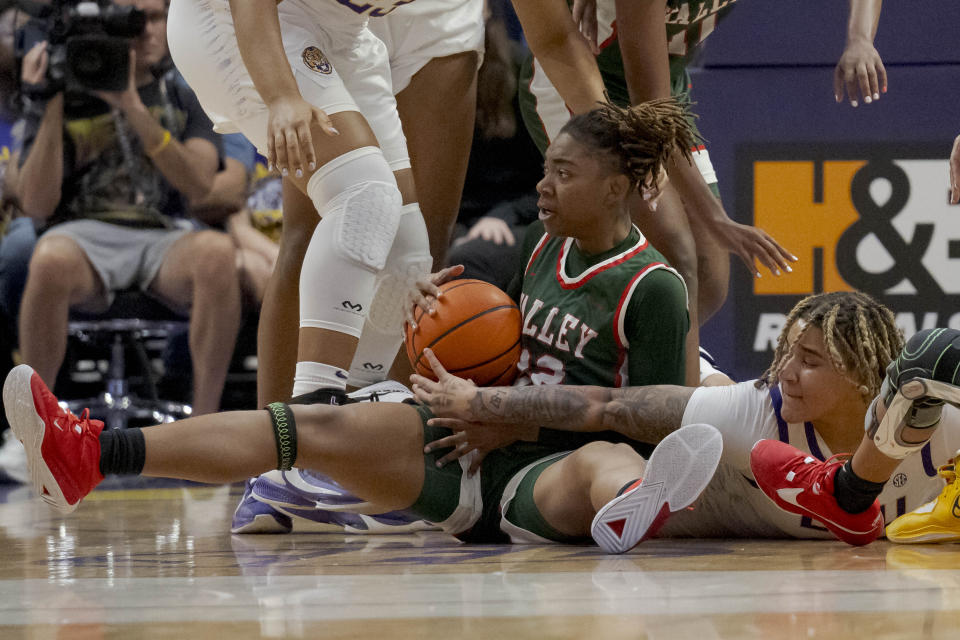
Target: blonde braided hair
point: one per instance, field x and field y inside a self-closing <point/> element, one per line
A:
<point x="860" y="334"/>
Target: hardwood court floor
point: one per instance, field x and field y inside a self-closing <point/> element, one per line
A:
<point x="157" y="561"/>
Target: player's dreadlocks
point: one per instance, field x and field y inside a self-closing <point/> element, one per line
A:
<point x="642" y="136"/>
<point x="860" y="334"/>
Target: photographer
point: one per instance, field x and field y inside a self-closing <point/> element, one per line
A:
<point x="107" y="177"/>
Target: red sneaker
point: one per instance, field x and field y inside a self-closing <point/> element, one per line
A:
<point x="799" y="483"/>
<point x="63" y="451"/>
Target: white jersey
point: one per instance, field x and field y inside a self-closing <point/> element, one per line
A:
<point x="733" y="506"/>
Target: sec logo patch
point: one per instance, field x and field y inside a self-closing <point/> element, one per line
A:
<point x="316" y="61"/>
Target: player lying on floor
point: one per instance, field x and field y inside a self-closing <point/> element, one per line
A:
<point x="781" y="431"/>
<point x="828" y="366"/>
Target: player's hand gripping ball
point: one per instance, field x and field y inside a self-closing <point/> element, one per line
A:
<point x="475" y="334"/>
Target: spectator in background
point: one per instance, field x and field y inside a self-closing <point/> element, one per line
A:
<point x="17" y="239"/>
<point x="246" y="201"/>
<point x="16" y="235"/>
<point x="238" y="190"/>
<point x="108" y="179"/>
<point x="255" y="230"/>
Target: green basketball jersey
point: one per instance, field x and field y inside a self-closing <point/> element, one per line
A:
<point x="613" y="320"/>
<point x="688" y="24"/>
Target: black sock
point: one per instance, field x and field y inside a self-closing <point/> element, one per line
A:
<point x="323" y="395"/>
<point x="853" y="493"/>
<point x="122" y="451"/>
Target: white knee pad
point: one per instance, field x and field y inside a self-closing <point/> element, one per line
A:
<point x="408" y="261"/>
<point x="382" y="332"/>
<point x="360" y="206"/>
<point x="358" y="194"/>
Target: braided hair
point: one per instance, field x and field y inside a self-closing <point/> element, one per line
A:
<point x="860" y="334"/>
<point x="641" y="137"/>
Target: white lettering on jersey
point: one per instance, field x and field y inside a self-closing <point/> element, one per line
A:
<point x="547" y="334"/>
<point x="544" y="337"/>
<point x="568" y="322"/>
<point x="586" y="335"/>
<point x="528" y="328"/>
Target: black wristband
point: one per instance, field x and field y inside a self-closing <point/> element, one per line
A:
<point x="285" y="433"/>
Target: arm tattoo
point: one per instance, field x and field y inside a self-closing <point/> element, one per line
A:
<point x="536" y="405"/>
<point x="647" y="414"/>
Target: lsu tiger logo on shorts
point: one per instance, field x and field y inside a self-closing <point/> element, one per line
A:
<point x="316" y="61"/>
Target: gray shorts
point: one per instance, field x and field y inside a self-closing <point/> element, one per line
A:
<point x="121" y="256"/>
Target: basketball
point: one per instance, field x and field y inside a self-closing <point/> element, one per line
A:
<point x="475" y="334"/>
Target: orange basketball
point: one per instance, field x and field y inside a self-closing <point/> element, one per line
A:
<point x="475" y="334"/>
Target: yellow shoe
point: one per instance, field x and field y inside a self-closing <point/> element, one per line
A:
<point x="936" y="521"/>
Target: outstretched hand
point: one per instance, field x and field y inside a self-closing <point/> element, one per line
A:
<point x="860" y="73"/>
<point x="753" y="244"/>
<point x="427" y="292"/>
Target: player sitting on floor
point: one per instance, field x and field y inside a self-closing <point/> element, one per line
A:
<point x="826" y="376"/>
<point x="600" y="305"/>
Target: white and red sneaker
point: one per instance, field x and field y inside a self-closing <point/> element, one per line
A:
<point x="677" y="472"/>
<point x="799" y="483"/>
<point x="63" y="451"/>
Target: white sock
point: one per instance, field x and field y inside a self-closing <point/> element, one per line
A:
<point x="369" y="365"/>
<point x="310" y="376"/>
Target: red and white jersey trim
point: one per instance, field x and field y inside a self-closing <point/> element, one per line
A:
<point x="536" y="251"/>
<point x="620" y="319"/>
<point x="620" y="316"/>
<point x="572" y="283"/>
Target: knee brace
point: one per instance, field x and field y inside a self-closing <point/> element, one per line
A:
<point x="358" y="194"/>
<point x="360" y="206"/>
<point x="382" y="333"/>
<point x="409" y="260"/>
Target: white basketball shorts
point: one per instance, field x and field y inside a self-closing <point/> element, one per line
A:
<point x="420" y="31"/>
<point x="338" y="63"/>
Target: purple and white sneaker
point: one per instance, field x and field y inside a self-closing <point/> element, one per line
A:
<point x="304" y="489"/>
<point x="307" y="495"/>
<point x="393" y="522"/>
<point x="253" y="516"/>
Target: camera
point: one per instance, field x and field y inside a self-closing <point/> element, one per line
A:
<point x="88" y="43"/>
